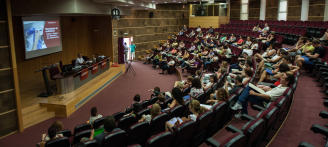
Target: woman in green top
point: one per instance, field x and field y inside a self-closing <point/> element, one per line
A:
<point x="133" y="50"/>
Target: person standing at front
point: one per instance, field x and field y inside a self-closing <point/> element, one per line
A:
<point x="133" y="50"/>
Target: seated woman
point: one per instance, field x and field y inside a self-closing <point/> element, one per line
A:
<point x="154" y="111"/>
<point x="247" y="75"/>
<point x="270" y="74"/>
<point x="94" y="115"/>
<point x="232" y="39"/>
<point x="219" y="95"/>
<point x="263" y="35"/>
<point x="240" y="41"/>
<point x="299" y="44"/>
<point x="167" y="66"/>
<point x="53" y="132"/>
<point x="177" y="98"/>
<point x="208" y="85"/>
<point x="196" y="88"/>
<point x="194" y="107"/>
<point x="256" y="28"/>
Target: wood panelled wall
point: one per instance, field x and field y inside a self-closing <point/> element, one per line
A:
<point x="254" y="9"/>
<point x="148" y="32"/>
<point x="294" y="10"/>
<point x="271" y="10"/>
<point x="80" y="34"/>
<point x="8" y="107"/>
<point x="235" y="9"/>
<point x="316" y="10"/>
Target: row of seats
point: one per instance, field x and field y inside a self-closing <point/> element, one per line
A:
<point x="314" y="24"/>
<point x="259" y="129"/>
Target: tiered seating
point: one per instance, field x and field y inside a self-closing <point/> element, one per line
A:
<point x="290" y="30"/>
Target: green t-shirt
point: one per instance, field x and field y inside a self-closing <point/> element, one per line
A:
<point x="133" y="47"/>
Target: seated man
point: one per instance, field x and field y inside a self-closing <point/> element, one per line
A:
<point x="308" y="58"/>
<point x="259" y="98"/>
<point x="79" y="60"/>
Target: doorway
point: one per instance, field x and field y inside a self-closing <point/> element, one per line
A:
<point x="128" y="41"/>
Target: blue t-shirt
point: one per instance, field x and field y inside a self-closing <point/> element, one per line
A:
<point x="133" y="47"/>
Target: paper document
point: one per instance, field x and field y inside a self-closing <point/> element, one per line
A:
<point x="259" y="90"/>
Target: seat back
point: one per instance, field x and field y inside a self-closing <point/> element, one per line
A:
<point x="117" y="138"/>
<point x="66" y="133"/>
<point x="163" y="139"/>
<point x="62" y="142"/>
<point x="184" y="133"/>
<point x="127" y="121"/>
<point x="205" y="119"/>
<point x="145" y="103"/>
<point x="157" y="124"/>
<point x="81" y="127"/>
<point x="219" y="113"/>
<point x="98" y="123"/>
<point x="138" y="133"/>
<point x="118" y="115"/>
<point x="143" y="112"/>
<point x="254" y="130"/>
<point x="236" y="140"/>
<point x="178" y="111"/>
<point x="78" y="136"/>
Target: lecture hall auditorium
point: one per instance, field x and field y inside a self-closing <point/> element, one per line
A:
<point x="162" y="73"/>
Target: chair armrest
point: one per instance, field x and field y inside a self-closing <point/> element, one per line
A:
<point x="232" y="129"/>
<point x="323" y="114"/>
<point x="212" y="142"/>
<point x="247" y="117"/>
<point x="319" y="129"/>
<point x="257" y="107"/>
<point x="305" y="144"/>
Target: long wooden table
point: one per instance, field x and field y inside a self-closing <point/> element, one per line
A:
<point x="68" y="83"/>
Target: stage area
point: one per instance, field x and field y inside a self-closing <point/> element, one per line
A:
<point x="36" y="109"/>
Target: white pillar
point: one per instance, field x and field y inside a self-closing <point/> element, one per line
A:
<point x="326" y="11"/>
<point x="262" y="9"/>
<point x="305" y="10"/>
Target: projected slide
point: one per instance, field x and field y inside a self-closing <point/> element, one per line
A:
<point x="41" y="34"/>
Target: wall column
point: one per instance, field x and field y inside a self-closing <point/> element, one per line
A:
<point x="262" y="9"/>
<point x="305" y="10"/>
<point x="325" y="18"/>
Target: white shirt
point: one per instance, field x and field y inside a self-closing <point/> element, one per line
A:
<point x="79" y="61"/>
<point x="93" y="118"/>
<point x="228" y="53"/>
<point x="172" y="62"/>
<point x="193" y="117"/>
<point x="276" y="92"/>
<point x="196" y="92"/>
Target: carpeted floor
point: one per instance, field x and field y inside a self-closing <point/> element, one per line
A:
<point x="116" y="97"/>
<point x="304" y="112"/>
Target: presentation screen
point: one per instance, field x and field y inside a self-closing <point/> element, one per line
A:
<point x="42" y="36"/>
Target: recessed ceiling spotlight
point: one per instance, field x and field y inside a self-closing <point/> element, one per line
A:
<point x="165" y="2"/>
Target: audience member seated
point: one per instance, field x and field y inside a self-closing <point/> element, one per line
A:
<point x="257" y="98"/>
<point x="196" y="88"/>
<point x="154" y="111"/>
<point x="308" y="58"/>
<point x="209" y="84"/>
<point x="233" y="87"/>
<point x="167" y="65"/>
<point x="94" y="115"/>
<point x="219" y="95"/>
<point x="53" y="130"/>
<point x="177" y="98"/>
<point x="109" y="126"/>
<point x="256" y="28"/>
<point x="266" y="27"/>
